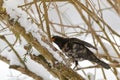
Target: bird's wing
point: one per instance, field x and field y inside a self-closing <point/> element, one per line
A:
<point x="78" y="41"/>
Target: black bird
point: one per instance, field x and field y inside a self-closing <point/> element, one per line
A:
<point x="77" y="50"/>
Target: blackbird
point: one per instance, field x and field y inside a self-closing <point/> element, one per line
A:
<point x="77" y="50"/>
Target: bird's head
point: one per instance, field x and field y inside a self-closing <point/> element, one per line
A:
<point x="60" y="41"/>
<point x="54" y="38"/>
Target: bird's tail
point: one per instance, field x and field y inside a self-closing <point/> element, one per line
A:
<point x="103" y="64"/>
<point x="93" y="58"/>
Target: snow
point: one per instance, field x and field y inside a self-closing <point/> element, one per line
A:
<point x="19" y="15"/>
<point x="38" y="69"/>
<point x="32" y="66"/>
<point x="22" y="17"/>
<point x="118" y="75"/>
<point x="10" y="74"/>
<point x="47" y="46"/>
<point x="98" y="74"/>
<point x="90" y="76"/>
<point x="28" y="25"/>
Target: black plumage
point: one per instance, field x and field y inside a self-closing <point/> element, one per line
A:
<point x="77" y="50"/>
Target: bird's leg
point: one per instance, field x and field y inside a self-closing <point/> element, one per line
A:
<point x="76" y="64"/>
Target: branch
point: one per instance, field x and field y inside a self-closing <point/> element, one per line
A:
<point x="98" y="66"/>
<point x="60" y="71"/>
<point x="4" y="39"/>
<point x="21" y="69"/>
